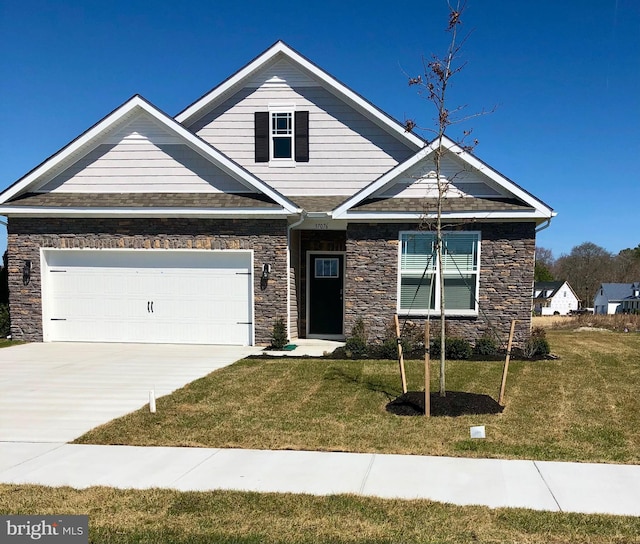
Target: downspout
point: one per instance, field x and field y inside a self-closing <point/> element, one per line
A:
<point x="303" y="216"/>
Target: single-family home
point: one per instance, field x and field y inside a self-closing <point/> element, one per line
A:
<point x="554" y="298"/>
<point x="616" y="298"/>
<point x="280" y="194"/>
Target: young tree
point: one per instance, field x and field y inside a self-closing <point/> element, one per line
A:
<point x="434" y="82"/>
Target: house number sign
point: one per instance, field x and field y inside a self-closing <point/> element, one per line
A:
<point x="322" y="226"/>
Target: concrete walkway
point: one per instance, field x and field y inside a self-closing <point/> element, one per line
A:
<point x="55" y="392"/>
<point x="567" y="487"/>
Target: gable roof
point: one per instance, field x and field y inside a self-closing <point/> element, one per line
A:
<point x="281" y="50"/>
<point x="551" y="287"/>
<point x="94" y="135"/>
<point x="529" y="206"/>
<point x="617" y="291"/>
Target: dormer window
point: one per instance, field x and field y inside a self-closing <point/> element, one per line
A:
<point x="282" y="136"/>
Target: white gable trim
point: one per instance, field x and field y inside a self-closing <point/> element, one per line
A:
<point x="388" y="179"/>
<point x="204" y="104"/>
<point x="92" y="137"/>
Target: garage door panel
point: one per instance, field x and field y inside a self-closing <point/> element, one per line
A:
<point x="148" y="296"/>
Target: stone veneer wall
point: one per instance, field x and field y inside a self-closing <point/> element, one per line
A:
<point x="267" y="239"/>
<point x="506" y="280"/>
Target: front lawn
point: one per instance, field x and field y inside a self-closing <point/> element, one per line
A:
<point x="583" y="407"/>
<point x="170" y="517"/>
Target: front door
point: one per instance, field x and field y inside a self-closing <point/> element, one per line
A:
<point x="325" y="301"/>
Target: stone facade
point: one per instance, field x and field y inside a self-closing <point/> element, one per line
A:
<point x="506" y="280"/>
<point x="267" y="239"/>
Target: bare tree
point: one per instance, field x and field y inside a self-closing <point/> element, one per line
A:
<point x="544" y="264"/>
<point x="434" y="83"/>
<point x="585" y="268"/>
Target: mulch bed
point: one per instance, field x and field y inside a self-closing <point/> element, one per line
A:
<point x="455" y="403"/>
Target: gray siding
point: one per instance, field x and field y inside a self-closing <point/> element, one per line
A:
<point x="143" y="157"/>
<point x="464" y="180"/>
<point x="143" y="168"/>
<point x="347" y="151"/>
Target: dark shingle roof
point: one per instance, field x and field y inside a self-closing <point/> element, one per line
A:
<point x="318" y="203"/>
<point x="545" y="286"/>
<point x="449" y="205"/>
<point x="143" y="200"/>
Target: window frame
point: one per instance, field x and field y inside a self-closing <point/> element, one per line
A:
<point x="435" y="274"/>
<point x="274" y="111"/>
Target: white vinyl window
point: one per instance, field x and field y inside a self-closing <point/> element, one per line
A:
<point x="419" y="285"/>
<point x="282" y="135"/>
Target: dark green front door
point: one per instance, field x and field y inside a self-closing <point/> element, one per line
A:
<point x="326" y="286"/>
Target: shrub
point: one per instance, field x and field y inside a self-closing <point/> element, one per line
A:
<point x="356" y="344"/>
<point x="485" y="347"/>
<point x="279" y="337"/>
<point x="455" y="348"/>
<point x="5" y="321"/>
<point x="537" y="345"/>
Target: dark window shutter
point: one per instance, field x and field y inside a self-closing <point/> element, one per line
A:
<point x="302" y="136"/>
<point x="262" y="136"/>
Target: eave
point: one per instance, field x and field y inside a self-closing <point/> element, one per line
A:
<point x="227" y="213"/>
<point x="472" y="216"/>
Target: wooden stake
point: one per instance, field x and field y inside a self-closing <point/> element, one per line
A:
<point x="506" y="363"/>
<point x="400" y="355"/>
<point x="427" y="374"/>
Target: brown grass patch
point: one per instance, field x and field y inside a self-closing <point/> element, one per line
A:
<point x="165" y="516"/>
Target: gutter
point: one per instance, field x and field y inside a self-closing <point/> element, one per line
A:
<point x="544" y="226"/>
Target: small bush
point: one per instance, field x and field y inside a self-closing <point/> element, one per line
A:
<point x="455" y="348"/>
<point x="356" y="344"/>
<point x="485" y="347"/>
<point x="279" y="337"/>
<point x="5" y="321"/>
<point x="537" y="345"/>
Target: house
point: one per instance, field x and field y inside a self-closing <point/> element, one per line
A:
<point x="616" y="298"/>
<point x="554" y="298"/>
<point x="281" y="193"/>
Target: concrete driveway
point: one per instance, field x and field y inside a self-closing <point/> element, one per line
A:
<point x="55" y="392"/>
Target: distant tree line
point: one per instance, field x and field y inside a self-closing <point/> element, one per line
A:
<point x="587" y="266"/>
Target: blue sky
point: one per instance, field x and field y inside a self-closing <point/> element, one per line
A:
<point x="565" y="77"/>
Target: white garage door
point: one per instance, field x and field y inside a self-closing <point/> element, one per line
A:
<point x="177" y="297"/>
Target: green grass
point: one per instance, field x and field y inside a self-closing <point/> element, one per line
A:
<point x="583" y="407"/>
<point x="168" y="517"/>
<point x="5" y="343"/>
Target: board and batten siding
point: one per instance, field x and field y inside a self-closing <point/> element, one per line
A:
<point x="142" y="157"/>
<point x="463" y="180"/>
<point x="347" y="151"/>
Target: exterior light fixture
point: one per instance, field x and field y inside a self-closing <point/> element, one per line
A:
<point x="264" y="278"/>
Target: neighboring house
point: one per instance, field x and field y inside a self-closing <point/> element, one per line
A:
<point x="554" y="298"/>
<point x="615" y="298"/>
<point x="281" y="193"/>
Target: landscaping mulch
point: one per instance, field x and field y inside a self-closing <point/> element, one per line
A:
<point x="453" y="404"/>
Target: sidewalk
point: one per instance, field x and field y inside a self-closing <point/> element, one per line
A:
<point x="539" y="485"/>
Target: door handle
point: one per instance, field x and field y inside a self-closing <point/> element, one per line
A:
<point x="148" y="306"/>
<point x="152" y="306"/>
